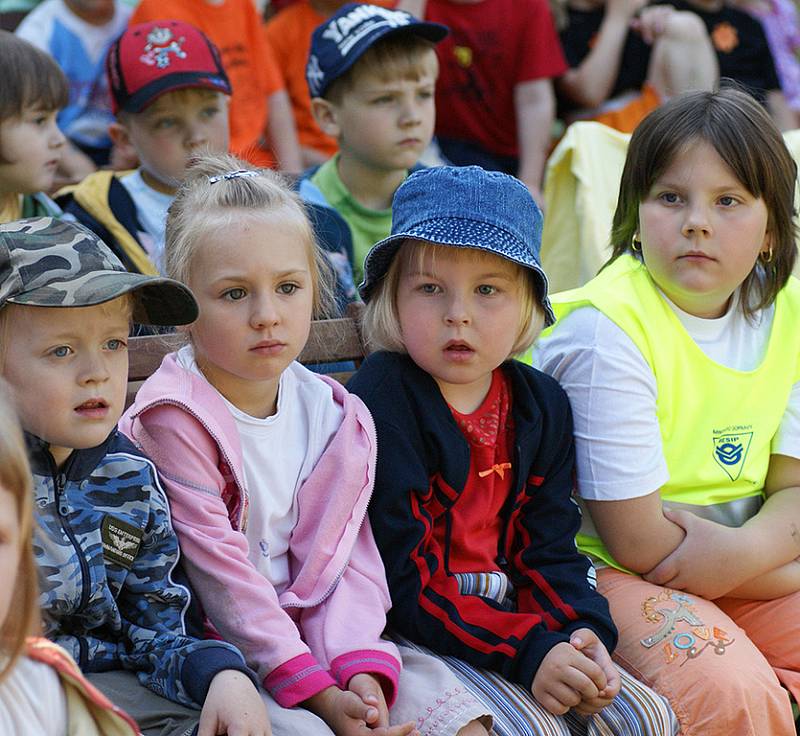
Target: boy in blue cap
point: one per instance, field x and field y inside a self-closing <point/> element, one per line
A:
<point x="472" y="509"/>
<point x="371" y="74"/>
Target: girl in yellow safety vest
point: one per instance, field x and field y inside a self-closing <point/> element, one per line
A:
<point x="681" y="360"/>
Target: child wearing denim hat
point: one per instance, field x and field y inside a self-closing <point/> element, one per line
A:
<point x="112" y="593"/>
<point x="472" y="509"/>
<point x="269" y="470"/>
<point x="371" y="75"/>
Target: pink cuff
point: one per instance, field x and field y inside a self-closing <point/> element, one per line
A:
<point x="372" y="662"/>
<point x="297" y="680"/>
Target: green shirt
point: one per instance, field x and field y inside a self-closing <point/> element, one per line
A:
<point x="367" y="226"/>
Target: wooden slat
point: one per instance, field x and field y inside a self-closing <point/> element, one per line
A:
<point x="145" y="353"/>
<point x="330" y="341"/>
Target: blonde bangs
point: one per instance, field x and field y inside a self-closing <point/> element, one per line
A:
<point x="381" y="321"/>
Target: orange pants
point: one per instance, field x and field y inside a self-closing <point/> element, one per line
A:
<point x="720" y="664"/>
<point x="626" y="118"/>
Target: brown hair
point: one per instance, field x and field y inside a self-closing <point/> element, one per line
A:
<point x="15" y="478"/>
<point x="401" y="56"/>
<point x="31" y="78"/>
<point x="380" y="320"/>
<point x="747" y="140"/>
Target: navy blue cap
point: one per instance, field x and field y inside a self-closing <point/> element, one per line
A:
<point x="463" y="207"/>
<point x="341" y="40"/>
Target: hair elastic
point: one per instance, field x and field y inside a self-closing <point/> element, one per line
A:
<point x="238" y="174"/>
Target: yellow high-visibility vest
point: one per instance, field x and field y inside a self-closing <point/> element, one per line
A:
<point x="717" y="424"/>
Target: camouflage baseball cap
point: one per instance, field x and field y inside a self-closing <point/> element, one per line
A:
<point x="46" y="262"/>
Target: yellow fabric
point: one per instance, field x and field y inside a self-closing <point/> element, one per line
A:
<point x="12" y="210"/>
<point x="717" y="424"/>
<point x="89" y="719"/>
<point x="92" y="195"/>
<point x="89" y="712"/>
<point x="580" y="193"/>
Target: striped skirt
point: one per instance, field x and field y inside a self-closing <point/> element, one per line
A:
<point x="636" y="711"/>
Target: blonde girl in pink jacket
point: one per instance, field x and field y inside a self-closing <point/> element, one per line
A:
<point x="269" y="469"/>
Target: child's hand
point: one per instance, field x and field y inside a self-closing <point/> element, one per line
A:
<point x="567" y="677"/>
<point x="652" y="22"/>
<point x="624" y="9"/>
<point x="233" y="707"/>
<point x="587" y="642"/>
<point x="347" y="714"/>
<point x="708" y="562"/>
<point x="369" y="690"/>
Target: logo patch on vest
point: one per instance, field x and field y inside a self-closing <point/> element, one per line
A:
<point x="730" y="449"/>
<point x="121" y="541"/>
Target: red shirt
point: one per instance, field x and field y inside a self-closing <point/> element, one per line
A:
<point x="475" y="523"/>
<point x="493" y="46"/>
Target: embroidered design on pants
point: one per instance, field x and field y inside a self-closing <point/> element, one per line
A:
<point x="680" y="630"/>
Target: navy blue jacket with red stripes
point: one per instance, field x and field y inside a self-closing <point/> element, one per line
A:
<point x="423" y="463"/>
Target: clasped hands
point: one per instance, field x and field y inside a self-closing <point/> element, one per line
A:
<point x="578" y="675"/>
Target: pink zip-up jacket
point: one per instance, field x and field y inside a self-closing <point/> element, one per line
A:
<point x="326" y="626"/>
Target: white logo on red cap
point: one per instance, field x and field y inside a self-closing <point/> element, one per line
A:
<point x="160" y="44"/>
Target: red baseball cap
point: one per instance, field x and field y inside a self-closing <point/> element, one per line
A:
<point x="152" y="58"/>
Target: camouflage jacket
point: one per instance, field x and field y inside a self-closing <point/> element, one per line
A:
<point x="113" y="593"/>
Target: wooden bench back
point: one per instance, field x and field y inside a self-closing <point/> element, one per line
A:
<point x="330" y="341"/>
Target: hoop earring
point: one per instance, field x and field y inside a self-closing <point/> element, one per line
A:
<point x="768" y="258"/>
<point x="636" y="245"/>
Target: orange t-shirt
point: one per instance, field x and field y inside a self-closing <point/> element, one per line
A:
<point x="289" y="35"/>
<point x="235" y="27"/>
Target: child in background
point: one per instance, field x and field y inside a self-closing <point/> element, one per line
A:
<point x="494" y="97"/>
<point x="371" y="74"/>
<point x="627" y="57"/>
<point x="77" y="34"/>
<point x="34" y="89"/>
<point x="269" y="470"/>
<point x="36" y="675"/>
<point x="472" y="509"/>
<point x="743" y="53"/>
<point x="112" y="593"/>
<point x="680" y="360"/>
<point x="262" y="127"/>
<point x="781" y="24"/>
<point x="170" y="95"/>
<point x="289" y="35"/>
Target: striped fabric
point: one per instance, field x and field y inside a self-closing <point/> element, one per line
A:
<point x="636" y="711"/>
<point x="494" y="585"/>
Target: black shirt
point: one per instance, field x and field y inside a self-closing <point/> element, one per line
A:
<point x="579" y="37"/>
<point x="741" y="45"/>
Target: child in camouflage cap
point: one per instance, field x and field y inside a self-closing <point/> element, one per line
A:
<point x="112" y="593"/>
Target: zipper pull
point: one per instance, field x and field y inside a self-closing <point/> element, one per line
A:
<point x="60" y="482"/>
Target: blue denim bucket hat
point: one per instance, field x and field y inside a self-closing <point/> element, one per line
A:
<point x="463" y="207"/>
<point x="340" y="41"/>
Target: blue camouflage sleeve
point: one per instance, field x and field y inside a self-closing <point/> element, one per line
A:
<point x="155" y="609"/>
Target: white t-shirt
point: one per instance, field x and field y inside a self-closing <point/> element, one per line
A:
<point x="279" y="454"/>
<point x="612" y="391"/>
<point x="80" y="50"/>
<point x="32" y="702"/>
<point x="151" y="209"/>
